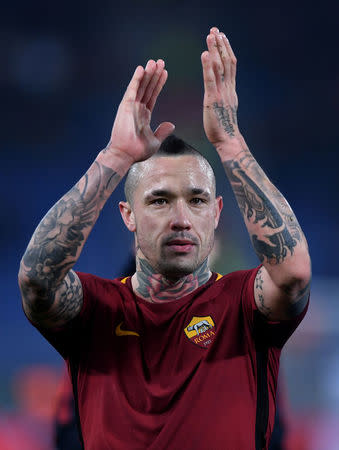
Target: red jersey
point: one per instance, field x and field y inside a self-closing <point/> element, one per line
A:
<point x="195" y="373"/>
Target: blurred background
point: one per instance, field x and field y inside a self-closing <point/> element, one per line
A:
<point x="64" y="68"/>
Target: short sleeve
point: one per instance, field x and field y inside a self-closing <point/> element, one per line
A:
<point x="68" y="338"/>
<point x="271" y="333"/>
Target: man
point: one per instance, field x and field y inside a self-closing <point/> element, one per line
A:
<point x="174" y="356"/>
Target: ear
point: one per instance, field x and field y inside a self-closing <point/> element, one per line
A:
<point x="218" y="207"/>
<point x="127" y="215"/>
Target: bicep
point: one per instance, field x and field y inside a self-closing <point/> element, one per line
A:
<point x="280" y="302"/>
<point x="55" y="307"/>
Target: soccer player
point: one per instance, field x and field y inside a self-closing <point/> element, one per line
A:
<point x="175" y="356"/>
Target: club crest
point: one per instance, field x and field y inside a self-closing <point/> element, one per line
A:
<point x="201" y="331"/>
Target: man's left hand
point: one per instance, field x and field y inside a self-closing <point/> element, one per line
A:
<point x="220" y="99"/>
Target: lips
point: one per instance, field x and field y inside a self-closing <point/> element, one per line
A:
<point x="180" y="245"/>
<point x="180" y="242"/>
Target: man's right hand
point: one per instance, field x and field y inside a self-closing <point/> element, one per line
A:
<point x="51" y="292"/>
<point x="132" y="138"/>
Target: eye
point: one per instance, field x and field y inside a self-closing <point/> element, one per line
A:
<point x="197" y="201"/>
<point x="159" y="201"/>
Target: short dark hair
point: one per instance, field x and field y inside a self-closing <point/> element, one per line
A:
<point x="171" y="146"/>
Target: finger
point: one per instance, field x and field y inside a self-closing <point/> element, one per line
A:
<point x="164" y="130"/>
<point x="132" y="88"/>
<point x="157" y="90"/>
<point x="148" y="73"/>
<point x="214" y="30"/>
<point x="233" y="58"/>
<point x="210" y="84"/>
<point x="215" y="59"/>
<point x="153" y="81"/>
<point x="225" y="57"/>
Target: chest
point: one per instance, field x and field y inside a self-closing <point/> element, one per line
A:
<point x="175" y="342"/>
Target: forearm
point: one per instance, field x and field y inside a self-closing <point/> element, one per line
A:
<point x="282" y="285"/>
<point x="275" y="233"/>
<point x="59" y="238"/>
<point x="51" y="291"/>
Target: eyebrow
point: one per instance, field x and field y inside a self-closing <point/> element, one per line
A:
<point x="199" y="191"/>
<point x="167" y="193"/>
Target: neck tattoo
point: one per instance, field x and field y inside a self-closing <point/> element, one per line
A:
<point x="156" y="288"/>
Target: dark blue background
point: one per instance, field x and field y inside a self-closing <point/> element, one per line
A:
<point x="64" y="69"/>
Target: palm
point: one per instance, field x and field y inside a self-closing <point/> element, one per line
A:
<point x="132" y="134"/>
<point x="220" y="99"/>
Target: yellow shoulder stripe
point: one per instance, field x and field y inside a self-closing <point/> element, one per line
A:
<point x="218" y="276"/>
<point x="124" y="280"/>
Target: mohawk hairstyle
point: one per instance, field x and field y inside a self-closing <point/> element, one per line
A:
<point x="171" y="146"/>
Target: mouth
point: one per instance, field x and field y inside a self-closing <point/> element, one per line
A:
<point x="180" y="245"/>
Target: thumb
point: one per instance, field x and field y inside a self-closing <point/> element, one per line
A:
<point x="164" y="130"/>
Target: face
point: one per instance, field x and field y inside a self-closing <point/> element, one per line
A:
<point x="174" y="215"/>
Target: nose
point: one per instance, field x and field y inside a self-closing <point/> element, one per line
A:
<point x="180" y="218"/>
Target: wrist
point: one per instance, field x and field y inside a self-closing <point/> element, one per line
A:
<point x="231" y="148"/>
<point x="115" y="160"/>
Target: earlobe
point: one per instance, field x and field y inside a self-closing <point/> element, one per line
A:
<point x="127" y="215"/>
<point x="218" y="209"/>
<point x="132" y="222"/>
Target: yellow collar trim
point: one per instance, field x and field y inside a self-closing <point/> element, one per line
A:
<point x="124" y="280"/>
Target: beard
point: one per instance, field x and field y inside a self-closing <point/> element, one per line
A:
<point x="177" y="267"/>
<point x="174" y="264"/>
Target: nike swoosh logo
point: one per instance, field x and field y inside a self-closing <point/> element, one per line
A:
<point x="120" y="332"/>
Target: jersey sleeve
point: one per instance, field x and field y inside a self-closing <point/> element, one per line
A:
<point x="68" y="338"/>
<point x="271" y="333"/>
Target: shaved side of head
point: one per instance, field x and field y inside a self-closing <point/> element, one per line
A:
<point x="172" y="146"/>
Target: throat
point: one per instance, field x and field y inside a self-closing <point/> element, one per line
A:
<point x="157" y="288"/>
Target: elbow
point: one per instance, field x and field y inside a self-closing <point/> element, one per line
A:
<point x="33" y="292"/>
<point x="297" y="280"/>
<point x="32" y="279"/>
<point x="23" y="282"/>
<point x="299" y="267"/>
<point x="295" y="275"/>
<point x="302" y="269"/>
<point x="301" y="272"/>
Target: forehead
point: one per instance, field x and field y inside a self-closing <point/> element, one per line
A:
<point x="175" y="173"/>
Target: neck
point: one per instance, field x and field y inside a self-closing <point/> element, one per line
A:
<point x="157" y="288"/>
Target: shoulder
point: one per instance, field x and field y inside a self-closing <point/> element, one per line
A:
<point x="93" y="284"/>
<point x="99" y="286"/>
<point x="233" y="287"/>
<point x="238" y="279"/>
<point x="102" y="295"/>
<point x="90" y="279"/>
<point x="238" y="287"/>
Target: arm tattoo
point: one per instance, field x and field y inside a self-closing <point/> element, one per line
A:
<point x="265" y="310"/>
<point x="295" y="306"/>
<point x="274" y="229"/>
<point x="57" y="243"/>
<point x="300" y="300"/>
<point x="55" y="306"/>
<point x="227" y="117"/>
<point x="156" y="288"/>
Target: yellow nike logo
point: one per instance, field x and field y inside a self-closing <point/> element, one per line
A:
<point x="120" y="332"/>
